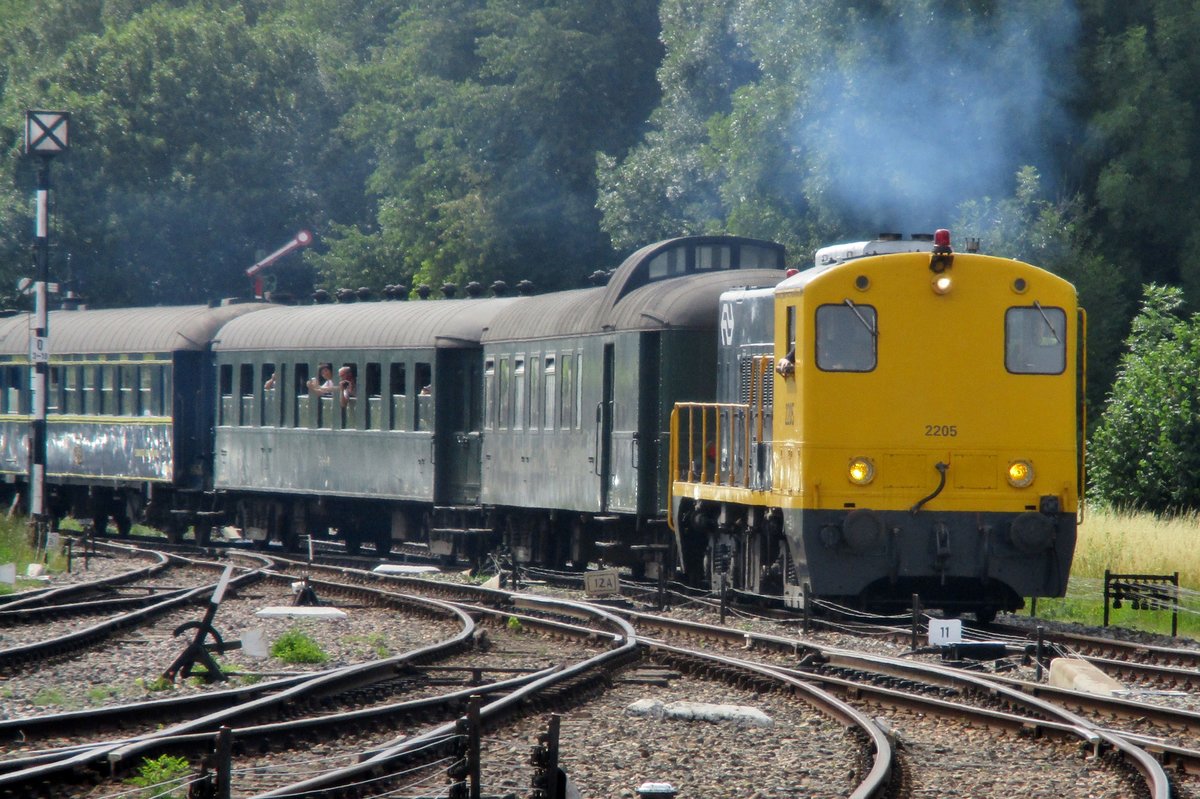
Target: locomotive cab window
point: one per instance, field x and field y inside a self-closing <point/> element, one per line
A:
<point x="846" y="338"/>
<point x="1035" y="340"/>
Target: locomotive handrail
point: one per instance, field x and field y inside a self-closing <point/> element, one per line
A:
<point x="1080" y="489"/>
<point x="697" y="463"/>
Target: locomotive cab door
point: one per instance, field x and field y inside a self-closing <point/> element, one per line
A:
<point x="458" y="400"/>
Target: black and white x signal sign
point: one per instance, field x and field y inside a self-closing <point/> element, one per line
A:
<point x="46" y="132"/>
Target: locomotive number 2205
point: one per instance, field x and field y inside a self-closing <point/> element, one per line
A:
<point x="941" y="430"/>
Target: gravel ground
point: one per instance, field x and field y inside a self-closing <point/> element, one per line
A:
<point x="606" y="751"/>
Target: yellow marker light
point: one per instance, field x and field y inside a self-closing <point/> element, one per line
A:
<point x="862" y="471"/>
<point x="942" y="283"/>
<point x="1020" y="474"/>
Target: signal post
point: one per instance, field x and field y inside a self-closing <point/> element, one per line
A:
<point x="45" y="136"/>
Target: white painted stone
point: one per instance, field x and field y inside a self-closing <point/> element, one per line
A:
<point x="301" y="612"/>
<point x="404" y="568"/>
<point x="701" y="711"/>
<point x="1079" y="675"/>
<point x="254" y="643"/>
<point x="8" y="573"/>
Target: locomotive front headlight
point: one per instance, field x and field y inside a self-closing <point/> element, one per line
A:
<point x="1020" y="474"/>
<point x="861" y="471"/>
<point x="942" y="283"/>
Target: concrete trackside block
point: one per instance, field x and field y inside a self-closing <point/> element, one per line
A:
<point x="301" y="612"/>
<point x="700" y="711"/>
<point x="1079" y="675"/>
<point x="402" y="568"/>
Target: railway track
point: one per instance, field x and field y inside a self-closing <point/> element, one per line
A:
<point x="387" y="726"/>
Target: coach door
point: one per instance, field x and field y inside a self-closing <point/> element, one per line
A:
<point x="458" y="401"/>
<point x="604" y="428"/>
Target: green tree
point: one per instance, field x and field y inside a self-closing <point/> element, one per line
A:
<point x="484" y="117"/>
<point x="1143" y="144"/>
<point x="1146" y="452"/>
<point x="830" y="120"/>
<point x="200" y="140"/>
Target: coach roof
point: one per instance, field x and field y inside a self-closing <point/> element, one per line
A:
<point x="363" y="325"/>
<point x="125" y="330"/>
<point x="686" y="302"/>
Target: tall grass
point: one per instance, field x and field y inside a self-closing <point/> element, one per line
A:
<point x="1139" y="543"/>
<point x="1131" y="543"/>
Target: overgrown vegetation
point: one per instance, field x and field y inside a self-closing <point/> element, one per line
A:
<point x="156" y="777"/>
<point x="296" y="646"/>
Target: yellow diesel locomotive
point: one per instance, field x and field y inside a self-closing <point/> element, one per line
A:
<point x="898" y="419"/>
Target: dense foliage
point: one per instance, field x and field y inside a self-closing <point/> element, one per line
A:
<point x="1147" y="448"/>
<point x="432" y="142"/>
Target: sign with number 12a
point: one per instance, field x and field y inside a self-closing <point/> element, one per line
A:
<point x="602" y="583"/>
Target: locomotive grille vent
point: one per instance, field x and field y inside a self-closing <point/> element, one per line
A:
<point x="745" y="377"/>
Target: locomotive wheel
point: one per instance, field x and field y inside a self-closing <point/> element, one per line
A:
<point x="100" y="523"/>
<point x="124" y="525"/>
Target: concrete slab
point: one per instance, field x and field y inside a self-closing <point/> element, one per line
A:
<point x="701" y="711"/>
<point x="1079" y="675"/>
<point x="301" y="612"/>
<point x="404" y="568"/>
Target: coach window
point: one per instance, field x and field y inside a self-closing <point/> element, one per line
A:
<point x="372" y="389"/>
<point x="10" y="401"/>
<point x="91" y="403"/>
<point x="166" y="389"/>
<point x="535" y="397"/>
<point x="504" y="394"/>
<point x="520" y="412"/>
<point x="71" y="389"/>
<point x="225" y="390"/>
<point x="668" y="263"/>
<point x="1035" y="340"/>
<point x="127" y="376"/>
<point x="489" y="394"/>
<point x="566" y="404"/>
<point x="578" y="390"/>
<point x="423" y="375"/>
<point x="54" y="396"/>
<point x="146" y="390"/>
<point x="299" y="398"/>
<point x="549" y="395"/>
<point x="398" y="390"/>
<point x="269" y="407"/>
<point x="752" y="257"/>
<point x="846" y="336"/>
<point x="711" y="257"/>
<point x="246" y="393"/>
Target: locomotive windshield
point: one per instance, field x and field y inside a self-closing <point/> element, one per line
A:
<point x="846" y="338"/>
<point x="1035" y="340"/>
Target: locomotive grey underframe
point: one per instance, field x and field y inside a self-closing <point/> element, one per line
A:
<point x="964" y="560"/>
<point x="100" y="463"/>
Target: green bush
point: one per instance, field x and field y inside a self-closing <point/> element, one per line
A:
<point x="1145" y="453"/>
<point x="154" y="775"/>
<point x="294" y="646"/>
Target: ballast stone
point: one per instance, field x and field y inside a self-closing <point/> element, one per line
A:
<point x="701" y="711"/>
<point x="1079" y="675"/>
